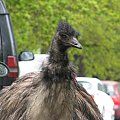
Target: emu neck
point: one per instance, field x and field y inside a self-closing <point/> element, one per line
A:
<point x="59" y="69"/>
<point x="58" y="54"/>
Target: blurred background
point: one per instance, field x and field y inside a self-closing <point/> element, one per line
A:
<point x="98" y="21"/>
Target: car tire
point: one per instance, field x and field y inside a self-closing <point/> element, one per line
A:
<point x="1" y="87"/>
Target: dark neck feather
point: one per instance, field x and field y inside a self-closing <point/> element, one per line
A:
<point x="58" y="53"/>
<point x="58" y="69"/>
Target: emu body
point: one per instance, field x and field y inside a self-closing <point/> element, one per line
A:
<point x="53" y="93"/>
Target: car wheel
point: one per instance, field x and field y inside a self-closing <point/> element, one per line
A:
<point x="1" y="87"/>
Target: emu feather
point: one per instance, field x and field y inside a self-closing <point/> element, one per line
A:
<point x="53" y="93"/>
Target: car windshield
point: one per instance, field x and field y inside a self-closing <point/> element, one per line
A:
<point x="85" y="84"/>
<point x="110" y="90"/>
<point x="101" y="87"/>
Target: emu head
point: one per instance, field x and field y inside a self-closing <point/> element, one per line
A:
<point x="66" y="36"/>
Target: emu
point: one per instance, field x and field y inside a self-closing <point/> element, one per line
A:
<point x="53" y="93"/>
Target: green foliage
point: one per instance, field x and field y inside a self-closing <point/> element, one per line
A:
<point x="98" y="21"/>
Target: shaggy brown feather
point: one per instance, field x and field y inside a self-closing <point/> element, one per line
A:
<point x="30" y="99"/>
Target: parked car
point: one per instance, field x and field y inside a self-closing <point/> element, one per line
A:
<point x="29" y="62"/>
<point x="8" y="53"/>
<point x="113" y="89"/>
<point x="95" y="88"/>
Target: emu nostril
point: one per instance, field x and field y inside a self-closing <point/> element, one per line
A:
<point x="75" y="44"/>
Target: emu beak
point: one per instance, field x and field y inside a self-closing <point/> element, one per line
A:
<point x="75" y="43"/>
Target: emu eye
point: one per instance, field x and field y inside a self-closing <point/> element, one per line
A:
<point x="77" y="36"/>
<point x="63" y="36"/>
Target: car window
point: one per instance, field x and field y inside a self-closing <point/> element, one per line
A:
<point x="110" y="90"/>
<point x="105" y="88"/>
<point x="0" y="46"/>
<point x="85" y="84"/>
<point x="101" y="87"/>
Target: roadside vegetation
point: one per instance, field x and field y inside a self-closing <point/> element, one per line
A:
<point x="98" y="22"/>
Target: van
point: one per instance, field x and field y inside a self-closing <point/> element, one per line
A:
<point x="8" y="52"/>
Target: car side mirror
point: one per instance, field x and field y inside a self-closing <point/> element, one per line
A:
<point x="3" y="70"/>
<point x="26" y="56"/>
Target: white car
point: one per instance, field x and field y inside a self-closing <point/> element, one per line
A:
<point x="31" y="62"/>
<point x="95" y="88"/>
